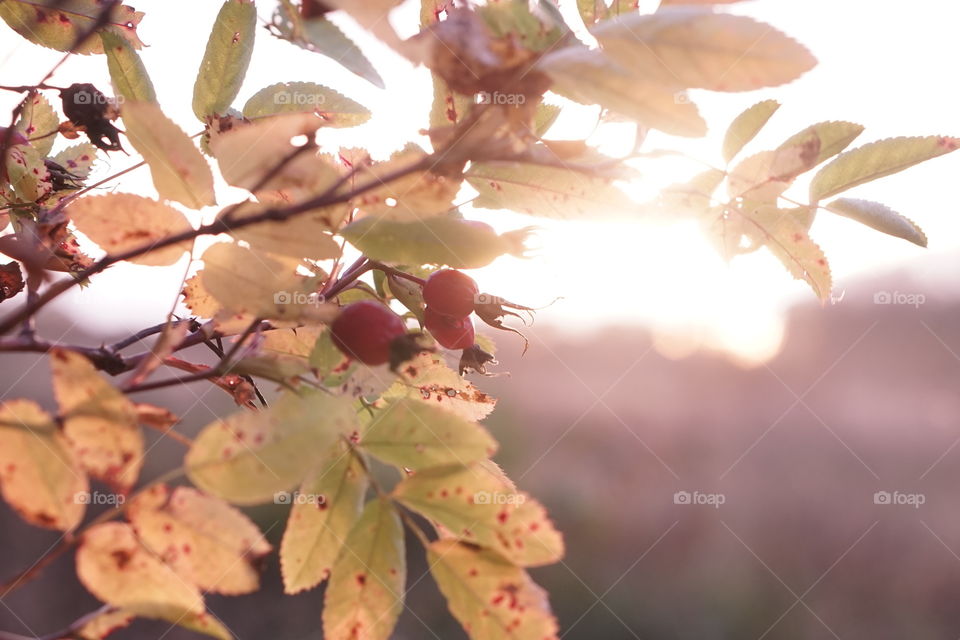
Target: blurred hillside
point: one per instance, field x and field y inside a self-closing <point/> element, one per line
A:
<point x="863" y="398"/>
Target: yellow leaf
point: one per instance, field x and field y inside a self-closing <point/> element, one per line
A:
<point x="303" y="236"/>
<point x="247" y="282"/>
<point x="204" y="539"/>
<point x="491" y="598"/>
<point x="179" y="170"/>
<point x="99" y="421"/>
<point x="117" y="569"/>
<point x="428" y="379"/>
<point x="248" y="457"/>
<point x="417" y="195"/>
<point x="249" y="155"/>
<point x="38" y="474"/>
<point x="697" y="48"/>
<point x="415" y="435"/>
<point x="119" y="222"/>
<point x="324" y="510"/>
<point x="365" y="594"/>
<point x="479" y="506"/>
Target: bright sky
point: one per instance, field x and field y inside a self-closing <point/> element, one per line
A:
<point x="883" y="65"/>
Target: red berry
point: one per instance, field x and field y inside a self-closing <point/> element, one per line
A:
<point x="452" y="333"/>
<point x="365" y="331"/>
<point x="451" y="293"/>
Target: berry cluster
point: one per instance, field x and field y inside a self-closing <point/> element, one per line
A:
<point x="450" y="296"/>
<point x="371" y="333"/>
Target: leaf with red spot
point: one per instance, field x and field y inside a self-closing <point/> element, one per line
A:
<point x="428" y="379"/>
<point x="479" y="506"/>
<point x="248" y="457"/>
<point x="365" y="594"/>
<point x="414" y="435"/>
<point x="115" y="567"/>
<point x="99" y="421"/>
<point x="118" y="222"/>
<point x="77" y="159"/>
<point x="876" y="160"/>
<point x="787" y="239"/>
<point x="38" y="475"/>
<point x="552" y="192"/>
<point x="201" y="537"/>
<point x="58" y="24"/>
<point x="492" y="598"/>
<point x="324" y="510"/>
<point x="39" y="123"/>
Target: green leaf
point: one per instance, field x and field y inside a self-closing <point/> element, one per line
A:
<point x="697" y="48"/>
<point x="58" y="24"/>
<point x="99" y="421"/>
<point x="40" y="478"/>
<point x="514" y="19"/>
<point x="129" y="76"/>
<point x="880" y="217"/>
<point x="746" y="126"/>
<point x="324" y="510"/>
<point x="37" y="121"/>
<point x="335" y="109"/>
<point x="179" y="170"/>
<point x="248" y="457"/>
<point x="834" y="136"/>
<point x="226" y="59"/>
<point x="876" y="160"/>
<point x="365" y="594"/>
<point x="481" y="507"/>
<point x="322" y="36"/>
<point x="489" y="596"/>
<point x="590" y="77"/>
<point x="413" y="435"/>
<point x="448" y="107"/>
<point x="28" y="174"/>
<point x="442" y="240"/>
<point x="77" y="159"/>
<point x="544" y="118"/>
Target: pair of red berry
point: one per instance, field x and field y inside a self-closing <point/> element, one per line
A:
<point x="370" y="332"/>
<point x="450" y="296"/>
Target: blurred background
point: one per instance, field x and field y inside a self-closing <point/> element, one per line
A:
<point x="727" y="458"/>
